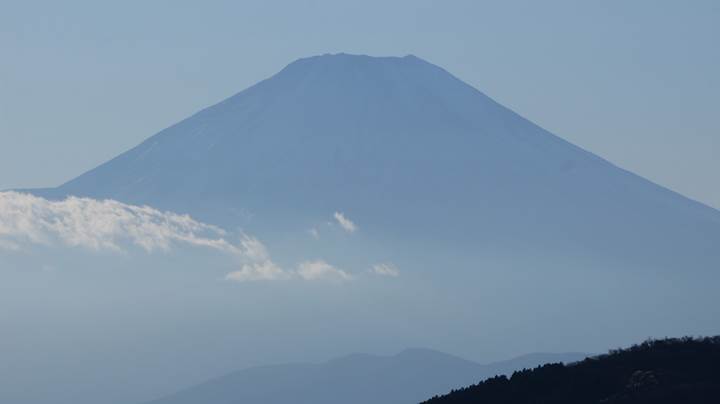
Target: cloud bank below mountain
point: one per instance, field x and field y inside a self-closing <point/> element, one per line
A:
<point x="108" y="225"/>
<point x="105" y="225"/>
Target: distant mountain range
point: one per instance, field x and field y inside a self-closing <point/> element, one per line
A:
<point x="408" y="377"/>
<point x="658" y="372"/>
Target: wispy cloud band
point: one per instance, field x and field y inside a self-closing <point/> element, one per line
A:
<point x="345" y="222"/>
<point x="108" y="225"/>
<point x="100" y="225"/>
<point x="386" y="269"/>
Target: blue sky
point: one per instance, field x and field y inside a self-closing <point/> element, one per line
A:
<point x="635" y="82"/>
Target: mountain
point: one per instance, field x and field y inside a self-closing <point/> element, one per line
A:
<point x="661" y="371"/>
<point x="407" y="377"/>
<point x="411" y="154"/>
<point x="502" y="237"/>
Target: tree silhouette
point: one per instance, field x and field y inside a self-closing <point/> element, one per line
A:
<point x="673" y="370"/>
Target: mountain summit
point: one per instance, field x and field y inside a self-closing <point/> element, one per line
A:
<point x="411" y="153"/>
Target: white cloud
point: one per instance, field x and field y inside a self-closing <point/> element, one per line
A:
<point x="319" y="269"/>
<point x="386" y="269"/>
<point x="261" y="271"/>
<point x="107" y="225"/>
<point x="27" y="220"/>
<point x="308" y="270"/>
<point x="345" y="223"/>
<point x="260" y="267"/>
<point x="101" y="225"/>
<point x="253" y="249"/>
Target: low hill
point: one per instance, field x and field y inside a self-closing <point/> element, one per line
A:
<point x="657" y="371"/>
<point x="407" y="377"/>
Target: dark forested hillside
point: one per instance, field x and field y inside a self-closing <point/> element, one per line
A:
<point x="683" y="370"/>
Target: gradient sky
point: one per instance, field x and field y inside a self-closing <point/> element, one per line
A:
<point x="635" y="82"/>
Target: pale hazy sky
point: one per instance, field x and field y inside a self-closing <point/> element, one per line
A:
<point x="635" y="82"/>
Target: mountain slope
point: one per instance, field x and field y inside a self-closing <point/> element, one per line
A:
<point x="407" y="377"/>
<point x="412" y="153"/>
<point x="663" y="371"/>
